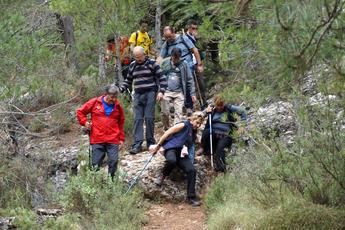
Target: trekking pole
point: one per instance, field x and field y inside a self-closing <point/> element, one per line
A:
<point x="88" y="133"/>
<point x="211" y="144"/>
<point x="134" y="181"/>
<point x="198" y="88"/>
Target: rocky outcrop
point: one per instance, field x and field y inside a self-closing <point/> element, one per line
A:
<point x="277" y="119"/>
<point x="174" y="187"/>
<point x="7" y="223"/>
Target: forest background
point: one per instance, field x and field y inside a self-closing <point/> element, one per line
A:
<point x="52" y="60"/>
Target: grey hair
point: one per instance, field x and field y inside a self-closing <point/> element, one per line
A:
<point x="112" y="89"/>
<point x="138" y="49"/>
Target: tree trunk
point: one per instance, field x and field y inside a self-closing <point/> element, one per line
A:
<point x="118" y="66"/>
<point x="101" y="62"/>
<point x="66" y="25"/>
<point x="158" y="26"/>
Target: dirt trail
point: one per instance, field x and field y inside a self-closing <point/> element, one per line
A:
<point x="170" y="216"/>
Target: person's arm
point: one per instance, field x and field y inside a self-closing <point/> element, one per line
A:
<point x="121" y="124"/>
<point x="83" y="111"/>
<point x="175" y="129"/>
<point x="240" y="111"/>
<point x="200" y="67"/>
<point x="129" y="79"/>
<point x="132" y="41"/>
<point x="162" y="81"/>
<point x="162" y="54"/>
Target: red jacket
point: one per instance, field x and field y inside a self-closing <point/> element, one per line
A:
<point x="103" y="129"/>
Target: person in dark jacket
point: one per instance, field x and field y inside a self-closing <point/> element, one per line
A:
<point x="173" y="141"/>
<point x="106" y="127"/>
<point x="149" y="86"/>
<point x="223" y="126"/>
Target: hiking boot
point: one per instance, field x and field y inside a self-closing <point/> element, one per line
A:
<point x="189" y="112"/>
<point x="193" y="202"/>
<point x="159" y="181"/>
<point x="199" y="152"/>
<point x="135" y="150"/>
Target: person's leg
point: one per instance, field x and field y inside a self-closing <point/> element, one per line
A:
<point x="149" y="114"/>
<point x="220" y="161"/>
<point x="186" y="165"/>
<point x="205" y="141"/>
<point x="170" y="160"/>
<point x="165" y="104"/>
<point x="178" y="103"/>
<point x="113" y="156"/>
<point x="191" y="153"/>
<point x="138" y="120"/>
<point x="98" y="154"/>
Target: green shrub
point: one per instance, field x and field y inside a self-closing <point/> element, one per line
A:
<point x="299" y="214"/>
<point x="101" y="202"/>
<point x="24" y="218"/>
<point x="68" y="221"/>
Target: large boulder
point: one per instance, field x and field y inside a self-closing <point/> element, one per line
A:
<point x="278" y="119"/>
<point x="174" y="187"/>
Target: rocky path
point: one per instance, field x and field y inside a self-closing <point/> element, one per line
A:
<point x="175" y="216"/>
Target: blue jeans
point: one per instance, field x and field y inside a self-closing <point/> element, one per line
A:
<point x="144" y="108"/>
<point x="98" y="154"/>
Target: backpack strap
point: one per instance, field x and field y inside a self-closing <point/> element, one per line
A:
<point x="184" y="43"/>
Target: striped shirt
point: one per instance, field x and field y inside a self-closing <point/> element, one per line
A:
<point x="145" y="77"/>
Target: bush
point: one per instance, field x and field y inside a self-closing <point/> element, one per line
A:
<point x="101" y="202"/>
<point x="299" y="214"/>
<point x="285" y="187"/>
<point x="229" y="207"/>
<point x="24" y="218"/>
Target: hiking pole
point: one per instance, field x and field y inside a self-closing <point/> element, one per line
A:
<point x="88" y="133"/>
<point x="134" y="181"/>
<point x="211" y="144"/>
<point x="198" y="88"/>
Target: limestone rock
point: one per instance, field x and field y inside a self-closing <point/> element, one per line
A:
<point x="174" y="187"/>
<point x="277" y="118"/>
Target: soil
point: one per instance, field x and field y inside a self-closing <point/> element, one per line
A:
<point x="170" y="216"/>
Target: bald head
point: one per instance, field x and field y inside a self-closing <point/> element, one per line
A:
<point x="139" y="54"/>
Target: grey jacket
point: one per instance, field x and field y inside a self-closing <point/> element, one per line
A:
<point x="186" y="75"/>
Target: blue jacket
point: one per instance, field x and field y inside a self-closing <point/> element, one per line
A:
<point x="183" y="137"/>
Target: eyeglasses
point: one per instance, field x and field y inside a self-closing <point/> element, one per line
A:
<point x="194" y="28"/>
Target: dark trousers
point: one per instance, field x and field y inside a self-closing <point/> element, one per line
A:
<point x="144" y="108"/>
<point x="173" y="159"/>
<point x="98" y="154"/>
<point x="219" y="143"/>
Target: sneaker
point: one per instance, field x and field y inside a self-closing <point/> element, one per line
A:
<point x="193" y="202"/>
<point x="159" y="181"/>
<point x="135" y="150"/>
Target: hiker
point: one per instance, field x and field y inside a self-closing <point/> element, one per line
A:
<point x="142" y="38"/>
<point x="223" y="127"/>
<point x="180" y="81"/>
<point x="147" y="79"/>
<point x="188" y="49"/>
<point x="173" y="142"/>
<point x="125" y="56"/>
<point x="106" y="127"/>
<point x="192" y="33"/>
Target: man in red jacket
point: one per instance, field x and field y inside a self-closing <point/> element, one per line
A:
<point x="106" y="127"/>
